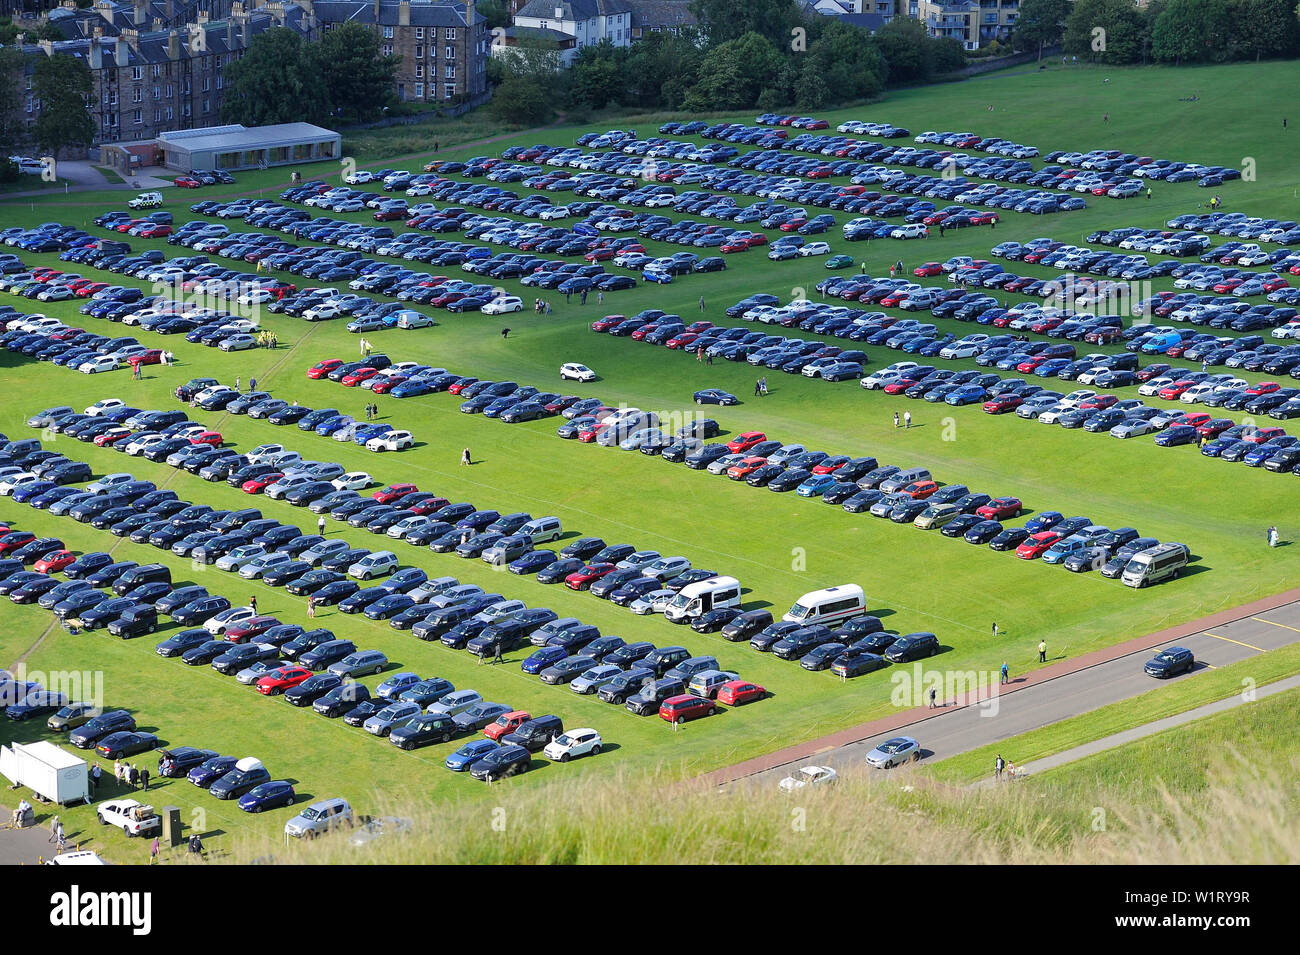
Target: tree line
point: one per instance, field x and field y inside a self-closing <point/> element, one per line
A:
<point x="744" y="54"/>
<point x="1176" y="32"/>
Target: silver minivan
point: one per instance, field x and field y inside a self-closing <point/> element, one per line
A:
<point x="543" y="529"/>
<point x="1150" y="566"/>
<point x="905" y="477"/>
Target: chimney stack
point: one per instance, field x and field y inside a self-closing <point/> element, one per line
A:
<point x="47" y="46"/>
<point x="404" y="13"/>
<point x="141" y="12"/>
<point x="173" y="45"/>
<point x="96" y="51"/>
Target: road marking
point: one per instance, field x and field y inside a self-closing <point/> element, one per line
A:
<point x="1274" y="623"/>
<point x="1248" y="646"/>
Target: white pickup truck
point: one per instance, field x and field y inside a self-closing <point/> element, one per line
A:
<point x="130" y="816"/>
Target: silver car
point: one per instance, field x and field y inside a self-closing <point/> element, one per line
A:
<point x="456" y="702"/>
<point x="592" y="680"/>
<point x="391" y="716"/>
<point x="894" y="752"/>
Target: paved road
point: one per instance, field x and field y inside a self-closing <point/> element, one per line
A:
<point x="947" y="732"/>
<point x="1146" y="729"/>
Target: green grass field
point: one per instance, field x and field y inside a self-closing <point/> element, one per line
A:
<point x="778" y="545"/>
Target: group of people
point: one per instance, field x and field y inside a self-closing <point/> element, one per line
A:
<point x="1001" y="766"/>
<point x="906" y="420"/>
<point x="135" y="777"/>
<point x="372" y="411"/>
<point x="268" y="340"/>
<point x="701" y="356"/>
<point x="541" y="307"/>
<point x="252" y="384"/>
<point x="895" y="269"/>
<point x="364" y="345"/>
<point x="760" y="386"/>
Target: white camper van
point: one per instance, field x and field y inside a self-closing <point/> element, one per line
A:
<point x="831" y="606"/>
<point x="696" y="599"/>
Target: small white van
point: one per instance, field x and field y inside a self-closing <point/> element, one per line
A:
<point x="830" y="606"/>
<point x="699" y="598"/>
<point x="1154" y="564"/>
<point x="542" y="529"/>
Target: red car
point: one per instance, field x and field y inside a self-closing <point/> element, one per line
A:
<point x="738" y="472"/>
<point x="1263" y="435"/>
<point x="834" y="462"/>
<point x="699" y="327"/>
<point x="259" y="484"/>
<point x="919" y="490"/>
<point x="506" y="723"/>
<point x="739" y="692"/>
<point x="900" y="386"/>
<point x="155" y="231"/>
<point x="1263" y="388"/>
<point x="322" y="369"/>
<point x="284" y="678"/>
<point x="583" y="579"/>
<point x="743" y="442"/>
<point x="681" y="709"/>
<point x="210" y="438"/>
<point x="928" y="269"/>
<point x="1000" y="508"/>
<point x="109" y="437"/>
<point x="153" y="356"/>
<point x="1098" y="402"/>
<point x="608" y="322"/>
<point x="460" y="386"/>
<point x="247" y="630"/>
<point x="387" y="495"/>
<point x="682" y="340"/>
<point x="15" y="539"/>
<point x="54" y="561"/>
<point x="1171" y="392"/>
<point x="1037" y="545"/>
<point x="1003" y="403"/>
<point x="187" y="182"/>
<point x="352" y="379"/>
<point x="428" y="505"/>
<point x="1215" y="427"/>
<point x="603" y="254"/>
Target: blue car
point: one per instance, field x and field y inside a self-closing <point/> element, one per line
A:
<point x="543" y="658"/>
<point x="1176" y="435"/>
<point x="395" y="684"/>
<point x="532" y="562"/>
<point x="270" y="795"/>
<point x="816" y="486"/>
<point x="1063" y="549"/>
<point x="967" y="395"/>
<point x="1043" y="521"/>
<point x="461" y="760"/>
<point x="336" y="423"/>
<point x="714" y="396"/>
<point x="362" y="435"/>
<point x="659" y="278"/>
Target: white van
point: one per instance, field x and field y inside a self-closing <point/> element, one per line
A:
<point x="831" y="606"/>
<point x="1154" y="564"/>
<point x="542" y="529"/>
<point x="696" y="599"/>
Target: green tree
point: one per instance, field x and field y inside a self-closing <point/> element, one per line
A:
<point x="493" y="12"/>
<point x="1193" y="31"/>
<point x="1040" y="23"/>
<point x="597" y="76"/>
<point x="62" y="84"/>
<point x="842" y="65"/>
<point x="359" y="80"/>
<point x="1107" y="31"/>
<point x="660" y="68"/>
<point x="722" y="21"/>
<point x="734" y="73"/>
<point x="1265" y="28"/>
<point x="275" y="81"/>
<point x="528" y="82"/>
<point x="13" y="130"/>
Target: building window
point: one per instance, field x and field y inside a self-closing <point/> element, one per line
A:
<point x="386" y="49"/>
<point x="419" y="71"/>
<point x="137" y="95"/>
<point x="29" y="104"/>
<point x="169" y="114"/>
<point x="388" y="33"/>
<point x="207" y="83"/>
<point x="137" y="72"/>
<point x="207" y="105"/>
<point x="138" y="117"/>
<point x="448" y="90"/>
<point x="157" y="92"/>
<point x="450" y="53"/>
<point x="157" y="70"/>
<point x="419" y="51"/>
<point x="157" y="116"/>
<point x="451" y="33"/>
<point x="419" y="91"/>
<point x="419" y="33"/>
<point x="451" y="71"/>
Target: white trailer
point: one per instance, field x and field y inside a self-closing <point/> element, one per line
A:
<point x="49" y="771"/>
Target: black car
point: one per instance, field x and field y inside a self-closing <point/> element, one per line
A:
<point x="712" y="621"/>
<point x="313" y="688"/>
<point x="118" y="745"/>
<point x="178" y="761"/>
<point x="1170" y="661"/>
<point x="506" y="761"/>
<point x="185" y="640"/>
<point x="341" y="699"/>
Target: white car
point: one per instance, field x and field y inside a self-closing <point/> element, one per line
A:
<point x="912" y="230"/>
<point x="143" y="443"/>
<point x="573" y="371"/>
<point x="503" y="304"/>
<point x="322" y="312"/>
<point x="815" y="248"/>
<point x="12" y="482"/>
<point x="393" y="441"/>
<point x="228" y="618"/>
<point x="103" y="405"/>
<point x="98" y="364"/>
<point x="353" y="481"/>
<point x="808" y="776"/>
<point x="146" y="200"/>
<point x="264" y="453"/>
<point x="571" y="743"/>
<point x="129" y="815"/>
<point x="656" y="601"/>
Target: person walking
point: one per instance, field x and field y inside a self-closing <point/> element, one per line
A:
<point x="320" y="525"/>
<point x="252" y="384"/>
<point x="195" y="845"/>
<point x="144" y="778"/>
<point x="995" y="629"/>
<point x="999" y="764"/>
<point x="55" y="828"/>
<point x="933" y="693"/>
<point x="708" y="358"/>
<point x="896" y="420"/>
<point x="311" y="607"/>
<point x="1042" y="651"/>
<point x="1006" y="673"/>
<point x="701" y="303"/>
<point x="237" y="379"/>
<point x="583" y="298"/>
<point x="505" y="333"/>
<point x="117" y="770"/>
<point x="153" y="851"/>
<point x="699" y="353"/>
<point x="252" y="602"/>
<point x="496" y="652"/>
<point x="95" y="774"/>
<point x="600" y="297"/>
<point x="134" y="774"/>
<point x="60" y="841"/>
<point x="1148" y="192"/>
<point x="1284" y="122"/>
<point x="465" y="458"/>
<point x="762" y="385"/>
<point x="907" y="420"/>
<point x="758" y="387"/>
<point x="1272" y="536"/>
